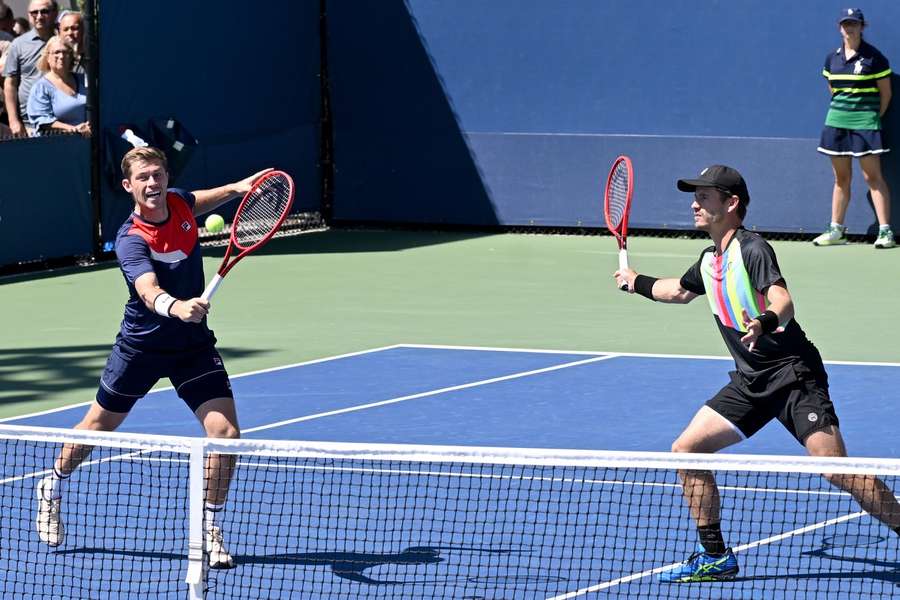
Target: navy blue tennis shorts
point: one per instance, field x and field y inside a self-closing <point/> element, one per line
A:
<point x="197" y="376"/>
<point x="851" y="142"/>
<point x="803" y="407"/>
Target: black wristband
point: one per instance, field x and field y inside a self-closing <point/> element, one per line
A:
<point x="643" y="285"/>
<point x="769" y="321"/>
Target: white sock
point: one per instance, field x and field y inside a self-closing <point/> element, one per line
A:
<point x="211" y="511"/>
<point x="833" y="224"/>
<point x="884" y="227"/>
<point x="57" y="484"/>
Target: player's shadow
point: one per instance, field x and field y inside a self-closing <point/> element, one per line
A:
<point x="881" y="570"/>
<point x="346" y="565"/>
<point x="352" y="565"/>
<point x="28" y="374"/>
<point x="891" y="576"/>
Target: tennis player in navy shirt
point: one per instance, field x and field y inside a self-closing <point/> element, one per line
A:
<point x="164" y="333"/>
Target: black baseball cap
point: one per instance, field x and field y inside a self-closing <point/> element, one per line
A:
<point x="851" y="14"/>
<point x="720" y="177"/>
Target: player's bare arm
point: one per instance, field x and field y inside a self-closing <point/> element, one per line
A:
<point x="884" y="90"/>
<point x="11" y="101"/>
<point x="664" y="290"/>
<point x="207" y="200"/>
<point x="191" y="310"/>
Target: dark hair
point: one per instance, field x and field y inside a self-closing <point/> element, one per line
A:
<point x="742" y="202"/>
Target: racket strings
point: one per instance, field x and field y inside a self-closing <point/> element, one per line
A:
<point x="262" y="211"/>
<point x="618" y="194"/>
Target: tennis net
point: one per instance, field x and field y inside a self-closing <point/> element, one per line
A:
<point x="330" y="520"/>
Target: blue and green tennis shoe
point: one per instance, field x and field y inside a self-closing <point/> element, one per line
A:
<point x="702" y="566"/>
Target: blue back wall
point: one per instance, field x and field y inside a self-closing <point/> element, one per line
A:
<point x="246" y="86"/>
<point x="511" y="111"/>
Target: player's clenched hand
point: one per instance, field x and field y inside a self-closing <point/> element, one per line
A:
<point x="625" y="277"/>
<point x="754" y="330"/>
<point x="191" y="311"/>
<point x="243" y="186"/>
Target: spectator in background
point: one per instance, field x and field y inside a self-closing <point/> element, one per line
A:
<point x="7" y="21"/>
<point x="71" y="30"/>
<point x="6" y="38"/>
<point x="20" y="26"/>
<point x="20" y="70"/>
<point x="859" y="79"/>
<point x="57" y="100"/>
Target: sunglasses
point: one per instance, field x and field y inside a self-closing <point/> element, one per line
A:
<point x="40" y="11"/>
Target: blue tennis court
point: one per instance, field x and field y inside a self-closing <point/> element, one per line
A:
<point x="525" y="544"/>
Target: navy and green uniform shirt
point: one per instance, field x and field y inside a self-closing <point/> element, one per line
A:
<point x="855" y="100"/>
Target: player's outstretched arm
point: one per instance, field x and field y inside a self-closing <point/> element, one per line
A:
<point x="207" y="200"/>
<point x="667" y="290"/>
<point x="159" y="301"/>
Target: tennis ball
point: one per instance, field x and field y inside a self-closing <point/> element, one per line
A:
<point x="215" y="223"/>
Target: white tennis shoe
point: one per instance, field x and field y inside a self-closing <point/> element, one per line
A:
<point x="885" y="239"/>
<point x="49" y="522"/>
<point x="219" y="558"/>
<point x="833" y="236"/>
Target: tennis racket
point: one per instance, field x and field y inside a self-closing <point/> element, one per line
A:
<point x="617" y="205"/>
<point x="260" y="214"/>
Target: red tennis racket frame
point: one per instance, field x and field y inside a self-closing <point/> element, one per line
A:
<point x="233" y="242"/>
<point x="620" y="229"/>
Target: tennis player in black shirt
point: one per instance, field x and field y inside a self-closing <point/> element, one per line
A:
<point x="779" y="372"/>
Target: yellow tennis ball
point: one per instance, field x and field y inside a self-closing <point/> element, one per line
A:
<point x="215" y="223"/>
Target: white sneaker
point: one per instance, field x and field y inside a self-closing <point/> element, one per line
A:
<point x="219" y="558"/>
<point x="885" y="239"/>
<point x="833" y="236"/>
<point x="49" y="523"/>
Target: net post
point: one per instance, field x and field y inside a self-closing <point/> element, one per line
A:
<point x="196" y="570"/>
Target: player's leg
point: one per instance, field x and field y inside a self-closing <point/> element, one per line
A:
<point x="842" y="166"/>
<point x="125" y="379"/>
<point x="872" y="494"/>
<point x="219" y="419"/>
<point x="881" y="198"/>
<point x="707" y="432"/>
<point x="203" y="384"/>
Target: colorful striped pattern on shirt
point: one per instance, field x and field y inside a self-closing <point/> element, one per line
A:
<point x="728" y="288"/>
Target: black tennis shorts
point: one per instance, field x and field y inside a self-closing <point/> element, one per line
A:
<point x="803" y="407"/>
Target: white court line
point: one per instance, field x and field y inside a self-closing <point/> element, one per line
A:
<point x="455" y="347"/>
<point x="452" y="388"/>
<point x="169" y="387"/>
<point x="769" y="540"/>
<point x="630" y="354"/>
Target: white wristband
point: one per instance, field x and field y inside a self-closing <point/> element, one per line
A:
<point x="162" y="304"/>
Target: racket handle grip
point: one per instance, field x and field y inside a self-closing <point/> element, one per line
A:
<point x="212" y="287"/>
<point x="623" y="264"/>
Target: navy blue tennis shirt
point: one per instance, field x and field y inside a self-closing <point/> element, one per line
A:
<point x="171" y="250"/>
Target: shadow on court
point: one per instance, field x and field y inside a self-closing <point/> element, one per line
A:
<point x="892" y="576"/>
<point x="29" y="374"/>
<point x="346" y="565"/>
<point x="350" y="241"/>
